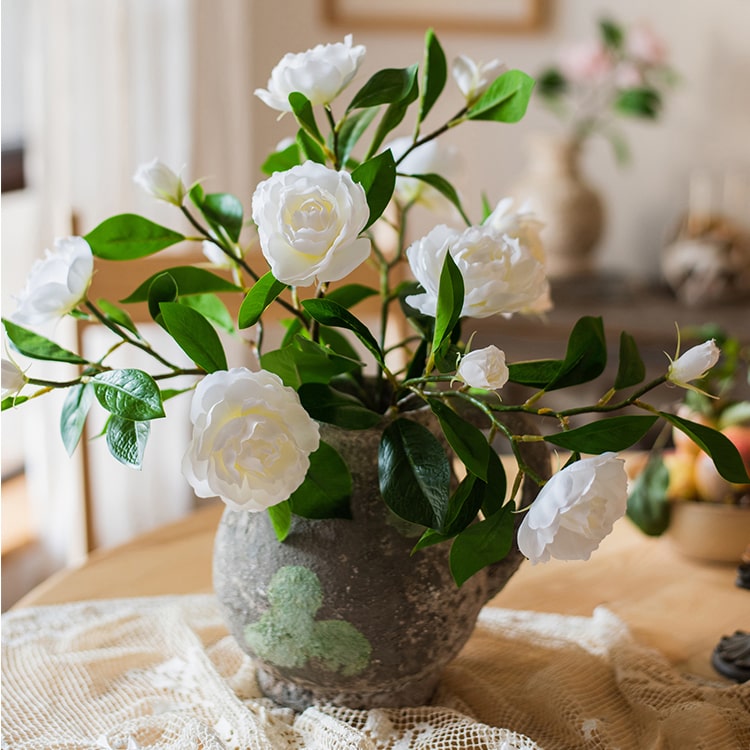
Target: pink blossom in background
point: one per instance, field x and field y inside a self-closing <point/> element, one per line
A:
<point x="586" y="61"/>
<point x="628" y="76"/>
<point x="643" y="44"/>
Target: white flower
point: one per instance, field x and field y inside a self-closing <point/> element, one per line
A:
<point x="251" y="439"/>
<point x="13" y="378"/>
<point x="309" y="219"/>
<point x="694" y="363"/>
<point x="320" y="74"/>
<point x="216" y="256"/>
<point x="483" y="368"/>
<point x="158" y="180"/>
<point x="433" y="157"/>
<point x="645" y="45"/>
<point x="500" y="275"/>
<point x="56" y="284"/>
<point x="575" y="510"/>
<point x="472" y="78"/>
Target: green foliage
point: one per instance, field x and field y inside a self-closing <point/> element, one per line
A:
<point x="131" y="394"/>
<point x="75" y="409"/>
<point x="327" y="487"/>
<point x="129" y="236"/>
<point x="648" y="507"/>
<point x="189" y="280"/>
<point x="505" y="100"/>
<point x="434" y="75"/>
<point x="126" y="440"/>
<point x="281" y="161"/>
<point x="38" y="347"/>
<point x="639" y="102"/>
<point x="378" y="178"/>
<point x="551" y="83"/>
<point x="611" y="434"/>
<point x="194" y="335"/>
<point x="326" y="404"/>
<point x="449" y="306"/>
<point x="265" y="290"/>
<point x="631" y="369"/>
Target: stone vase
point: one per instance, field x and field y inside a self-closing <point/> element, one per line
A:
<point x="341" y="612"/>
<point x="571" y="210"/>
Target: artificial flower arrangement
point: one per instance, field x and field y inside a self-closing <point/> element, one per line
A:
<point x="621" y="72"/>
<point x="255" y="434"/>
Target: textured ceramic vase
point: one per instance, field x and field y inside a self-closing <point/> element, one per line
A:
<point x="341" y="612"/>
<point x="570" y="209"/>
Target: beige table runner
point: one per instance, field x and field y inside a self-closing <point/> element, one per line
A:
<point x="161" y="672"/>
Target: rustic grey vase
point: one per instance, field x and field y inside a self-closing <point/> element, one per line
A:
<point x="341" y="612"/>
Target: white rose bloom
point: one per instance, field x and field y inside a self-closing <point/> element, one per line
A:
<point x="309" y="219"/>
<point x="13" y="378"/>
<point x="483" y="368"/>
<point x="473" y="78"/>
<point x="320" y="74"/>
<point x="694" y="363"/>
<point x="158" y="180"/>
<point x="575" y="510"/>
<point x="56" y="284"/>
<point x="431" y="157"/>
<point x="251" y="439"/>
<point x="500" y="275"/>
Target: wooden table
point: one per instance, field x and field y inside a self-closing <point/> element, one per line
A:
<point x="679" y="606"/>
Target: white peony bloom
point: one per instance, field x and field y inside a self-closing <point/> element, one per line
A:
<point x="575" y="510"/>
<point x="320" y="74"/>
<point x="56" y="284"/>
<point x="473" y="78"/>
<point x="309" y="219"/>
<point x="13" y="378"/>
<point x="251" y="439"/>
<point x="483" y="368"/>
<point x="523" y="226"/>
<point x="433" y="157"/>
<point x="694" y="363"/>
<point x="500" y="275"/>
<point x="158" y="180"/>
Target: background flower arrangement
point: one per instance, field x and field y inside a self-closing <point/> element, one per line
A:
<point x="256" y="442"/>
<point x="621" y="72"/>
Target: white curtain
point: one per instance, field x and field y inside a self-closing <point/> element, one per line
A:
<point x="112" y="84"/>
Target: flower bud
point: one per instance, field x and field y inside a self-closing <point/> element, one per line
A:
<point x="157" y="179"/>
<point x="694" y="363"/>
<point x="474" y="78"/>
<point x="13" y="378"/>
<point x="483" y="368"/>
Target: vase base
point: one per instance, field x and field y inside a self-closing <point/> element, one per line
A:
<point x="300" y="696"/>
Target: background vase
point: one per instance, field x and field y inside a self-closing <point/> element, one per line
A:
<point x="341" y="612"/>
<point x="570" y="209"/>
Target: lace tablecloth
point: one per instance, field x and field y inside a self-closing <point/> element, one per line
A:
<point x="162" y="672"/>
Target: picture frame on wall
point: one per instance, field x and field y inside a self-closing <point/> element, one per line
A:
<point x="466" y="15"/>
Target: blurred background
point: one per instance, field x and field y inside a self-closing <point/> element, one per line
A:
<point x="92" y="89"/>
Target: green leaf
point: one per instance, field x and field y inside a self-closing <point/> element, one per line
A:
<point x="304" y="361"/>
<point x="327" y="487"/>
<point x="189" y="280"/>
<point x="612" y="434"/>
<point x="338" y="343"/>
<point x="163" y="289"/>
<point x="464" y="504"/>
<point x="265" y="290"/>
<point x="724" y="454"/>
<point x="310" y="148"/>
<point x="394" y="114"/>
<point x="586" y="355"/>
<point x="132" y="394"/>
<point x="378" y="178"/>
<point x="551" y="83"/>
<point x="282" y="161"/>
<point x="303" y="111"/>
<point x="414" y="473"/>
<point x="75" y="409"/>
<point x="505" y="100"/>
<point x="127" y="440"/>
<point x="445" y="188"/>
<point x="631" y="369"/>
<point x="129" y="236"/>
<point x="648" y="507"/>
<point x="118" y="316"/>
<point x="639" y="102"/>
<point x="33" y="345"/>
<point x="194" y="335"/>
<point x="224" y="210"/>
<point x="325" y="404"/>
<point x="331" y="313"/>
<point x="351" y="130"/>
<point x="450" y="302"/>
<point x="496" y="486"/>
<point x="535" y="374"/>
<point x="612" y="34"/>
<point x="482" y="544"/>
<point x="434" y="75"/>
<point x="10" y="401"/>
<point x="385" y="87"/>
<point x="280" y="516"/>
<point x="429" y="538"/>
<point x="468" y="442"/>
<point x="211" y="308"/>
<point x="350" y="295"/>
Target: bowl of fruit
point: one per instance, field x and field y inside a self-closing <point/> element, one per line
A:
<point x="678" y="492"/>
